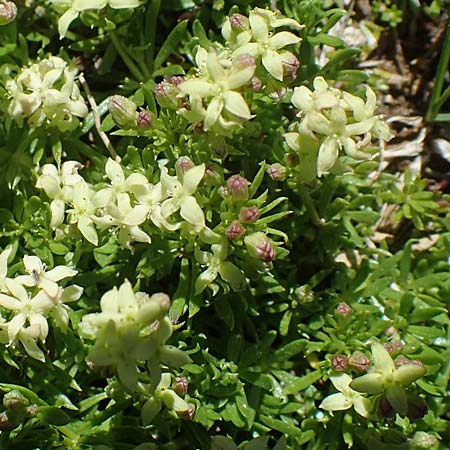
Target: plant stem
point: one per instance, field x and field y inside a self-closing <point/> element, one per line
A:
<point x="135" y="71"/>
<point x="444" y="60"/>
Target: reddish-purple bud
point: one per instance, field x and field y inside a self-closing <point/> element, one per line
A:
<point x="166" y="92"/>
<point x="359" y="362"/>
<point x="239" y="22"/>
<point x="144" y="120"/>
<point x="234" y="231"/>
<point x="238" y="188"/>
<point x="339" y="362"/>
<point x="245" y="60"/>
<point x="401" y="361"/>
<point x="187" y="415"/>
<point x="260" y="246"/>
<point x="249" y="215"/>
<point x="256" y="84"/>
<point x="290" y="66"/>
<point x="277" y="172"/>
<point x="394" y="346"/>
<point x="181" y="385"/>
<point x="343" y="309"/>
<point x="183" y="164"/>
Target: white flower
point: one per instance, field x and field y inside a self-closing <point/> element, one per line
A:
<point x="83" y="210"/>
<point x="217" y="265"/>
<point x="29" y="322"/>
<point x="181" y="196"/>
<point x="219" y="85"/>
<point x="346" y="398"/>
<point x="58" y="185"/>
<point x="267" y="45"/>
<point x="46" y="93"/>
<point x="4" y="255"/>
<point x="47" y="281"/>
<point x="78" y="6"/>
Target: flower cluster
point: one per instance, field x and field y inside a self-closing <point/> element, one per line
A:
<point x="46" y="93"/>
<point x="214" y="96"/>
<point x="332" y="120"/>
<point x="28" y="301"/>
<point x="388" y="378"/>
<point x="132" y="328"/>
<point x="125" y="204"/>
<point x="78" y="6"/>
<point x="255" y="36"/>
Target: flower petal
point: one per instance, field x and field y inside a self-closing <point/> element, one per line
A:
<point x="335" y="402"/>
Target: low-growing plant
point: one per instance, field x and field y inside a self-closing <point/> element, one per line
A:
<point x="199" y="249"/>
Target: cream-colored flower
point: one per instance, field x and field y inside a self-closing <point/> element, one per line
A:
<point x="38" y="277"/>
<point x="346" y="397"/>
<point x="181" y="196"/>
<point x="218" y="86"/>
<point x="77" y="6"/>
<point x="46" y="93"/>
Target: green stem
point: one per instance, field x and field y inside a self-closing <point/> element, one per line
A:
<point x="309" y="205"/>
<point x="444" y="60"/>
<point x="135" y="71"/>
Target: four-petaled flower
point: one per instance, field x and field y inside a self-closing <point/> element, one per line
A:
<point x="267" y="45"/>
<point x="388" y="379"/>
<point x="219" y="85"/>
<point x="346" y="397"/>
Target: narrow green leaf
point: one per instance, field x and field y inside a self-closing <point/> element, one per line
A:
<point x="170" y="44"/>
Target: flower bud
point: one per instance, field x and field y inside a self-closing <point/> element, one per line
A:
<point x="339" y="362"/>
<point x="167" y="91"/>
<point x="245" y="60"/>
<point x="154" y="309"/>
<point x="359" y="362"/>
<point x="238" y="188"/>
<point x="343" y="309"/>
<point x="290" y="66"/>
<point x="123" y="112"/>
<point x="394" y="346"/>
<point x="256" y="84"/>
<point x="15" y="401"/>
<point x="8" y="12"/>
<point x="423" y="441"/>
<point x="181" y="385"/>
<point x="187" y="415"/>
<point x="144" y="120"/>
<point x="6" y="423"/>
<point x="249" y="215"/>
<point x="304" y="294"/>
<point x="277" y="172"/>
<point x="401" y="361"/>
<point x="259" y="246"/>
<point x="239" y="22"/>
<point x="183" y="164"/>
<point x="235" y="230"/>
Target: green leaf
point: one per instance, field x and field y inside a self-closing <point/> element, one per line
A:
<point x="302" y="383"/>
<point x="52" y="415"/>
<point x="170" y="44"/>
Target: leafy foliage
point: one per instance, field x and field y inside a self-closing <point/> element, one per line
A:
<point x="242" y="273"/>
